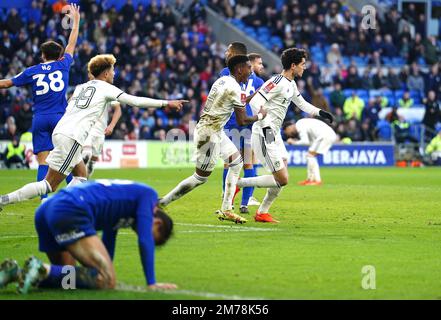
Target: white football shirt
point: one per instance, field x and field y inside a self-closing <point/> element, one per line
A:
<point x="275" y="95"/>
<point x="89" y="102"/>
<point x="312" y="129"/>
<point x="225" y="95"/>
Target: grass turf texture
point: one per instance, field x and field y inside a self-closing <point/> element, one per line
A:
<point x="388" y="218"/>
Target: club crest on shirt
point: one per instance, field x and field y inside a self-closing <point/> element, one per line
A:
<point x="269" y="87"/>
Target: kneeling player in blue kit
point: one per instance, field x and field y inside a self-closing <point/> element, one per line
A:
<point x="67" y="226"/>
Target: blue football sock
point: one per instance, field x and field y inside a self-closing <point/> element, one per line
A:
<point x="85" y="278"/>
<point x="69" y="178"/>
<point x="247" y="191"/>
<point x="54" y="278"/>
<point x="41" y="174"/>
<point x="224" y="178"/>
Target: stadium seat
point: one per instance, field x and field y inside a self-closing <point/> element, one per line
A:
<point x="398" y="61"/>
<point x="384" y="130"/>
<point x="398" y="94"/>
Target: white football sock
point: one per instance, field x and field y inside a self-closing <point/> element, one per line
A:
<point x="76" y="180"/>
<point x="315" y="170"/>
<point x="266" y="181"/>
<point x="27" y="192"/>
<point x="230" y="183"/>
<point x="184" y="187"/>
<point x="90" y="168"/>
<point x="309" y="165"/>
<point x="271" y="195"/>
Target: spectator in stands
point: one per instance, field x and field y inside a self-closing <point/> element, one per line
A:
<point x="393" y="80"/>
<point x="392" y="115"/>
<point x="352" y="81"/>
<point x="353" y="131"/>
<point x="353" y="107"/>
<point x="432" y="115"/>
<point x="14" y="22"/>
<point x="376" y="60"/>
<point x="406" y="101"/>
<point x="402" y="132"/>
<point x="14" y="154"/>
<point x="337" y="97"/>
<point x="35" y="12"/>
<point x="57" y="7"/>
<point x="389" y="49"/>
<point x="380" y="80"/>
<point x="24" y="118"/>
<point x="334" y="56"/>
<point x="432" y="53"/>
<point x="433" y="80"/>
<point x="433" y="149"/>
<point x="415" y="80"/>
<point x="367" y="82"/>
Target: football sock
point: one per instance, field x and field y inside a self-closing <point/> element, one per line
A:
<point x="29" y="191"/>
<point x="224" y="177"/>
<point x="76" y="180"/>
<point x="184" y="187"/>
<point x="90" y="168"/>
<point x="266" y="181"/>
<point x="271" y="195"/>
<point x="247" y="191"/>
<point x="84" y="278"/>
<point x="313" y="168"/>
<point x="69" y="178"/>
<point x="41" y="174"/>
<point x="230" y="183"/>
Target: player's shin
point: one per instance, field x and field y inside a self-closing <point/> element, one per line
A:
<point x="309" y="167"/>
<point x="70" y="277"/>
<point x="247" y="191"/>
<point x="184" y="187"/>
<point x="266" y="181"/>
<point x="27" y="192"/>
<point x="230" y="183"/>
<point x="271" y="195"/>
<point x="314" y="167"/>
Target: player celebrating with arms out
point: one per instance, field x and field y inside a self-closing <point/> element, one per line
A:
<point x="67" y="226"/>
<point x="49" y="81"/>
<point x="275" y="96"/>
<point x="86" y="106"/>
<point x="211" y="141"/>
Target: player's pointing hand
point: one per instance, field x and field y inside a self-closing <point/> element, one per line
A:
<point x="176" y="104"/>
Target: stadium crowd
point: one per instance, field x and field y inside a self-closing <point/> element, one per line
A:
<point x="161" y="56"/>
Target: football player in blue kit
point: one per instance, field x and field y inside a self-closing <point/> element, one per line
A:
<point x="49" y="81"/>
<point x="241" y="136"/>
<point x="67" y="226"/>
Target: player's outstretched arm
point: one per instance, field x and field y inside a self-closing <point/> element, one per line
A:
<point x="6" y="83"/>
<point x="74" y="13"/>
<point x="142" y="102"/>
<point x="116" y="116"/>
<point x="305" y="106"/>
<point x="242" y="118"/>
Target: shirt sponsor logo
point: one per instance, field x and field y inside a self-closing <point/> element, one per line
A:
<point x="73" y="235"/>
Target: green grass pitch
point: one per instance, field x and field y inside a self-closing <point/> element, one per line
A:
<point x="389" y="218"/>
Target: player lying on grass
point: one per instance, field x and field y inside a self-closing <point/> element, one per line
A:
<point x="67" y="226"/>
<point x="210" y="140"/>
<point x="320" y="137"/>
<point x="86" y="106"/>
<point x="49" y="81"/>
<point x="275" y="96"/>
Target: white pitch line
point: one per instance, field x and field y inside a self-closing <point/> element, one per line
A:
<point x="218" y="231"/>
<point x="225" y="227"/>
<point x="208" y="295"/>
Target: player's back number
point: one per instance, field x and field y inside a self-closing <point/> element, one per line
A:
<point x="55" y="83"/>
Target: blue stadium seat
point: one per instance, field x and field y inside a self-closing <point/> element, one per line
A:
<point x="398" y="94"/>
<point x="398" y="61"/>
<point x="348" y="92"/>
<point x="384" y="130"/>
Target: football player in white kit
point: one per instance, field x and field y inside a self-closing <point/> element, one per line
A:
<point x="275" y="96"/>
<point x="226" y="96"/>
<point x="85" y="108"/>
<point x="320" y="137"/>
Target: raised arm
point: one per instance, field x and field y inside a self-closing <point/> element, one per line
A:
<point x="305" y="106"/>
<point x="6" y="83"/>
<point x="116" y="116"/>
<point x="74" y="13"/>
<point x="142" y="102"/>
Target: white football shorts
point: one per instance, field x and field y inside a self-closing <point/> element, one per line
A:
<point x="65" y="155"/>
